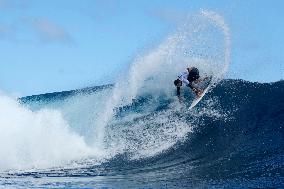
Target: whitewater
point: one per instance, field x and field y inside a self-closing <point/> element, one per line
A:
<point x="121" y="134"/>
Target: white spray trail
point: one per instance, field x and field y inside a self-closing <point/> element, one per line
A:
<point x="220" y="23"/>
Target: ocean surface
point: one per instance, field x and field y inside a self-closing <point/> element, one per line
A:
<point x="234" y="138"/>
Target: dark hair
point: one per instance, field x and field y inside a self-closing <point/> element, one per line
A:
<point x="176" y="82"/>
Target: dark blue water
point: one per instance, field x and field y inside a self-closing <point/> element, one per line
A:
<point x="244" y="150"/>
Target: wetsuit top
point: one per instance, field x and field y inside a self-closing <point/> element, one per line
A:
<point x="183" y="77"/>
<point x="189" y="75"/>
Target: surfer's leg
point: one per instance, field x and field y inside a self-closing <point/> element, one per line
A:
<point x="194" y="89"/>
<point x="198" y="92"/>
<point x="198" y="80"/>
<point x="190" y="85"/>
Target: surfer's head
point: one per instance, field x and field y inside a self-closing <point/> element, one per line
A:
<point x="178" y="83"/>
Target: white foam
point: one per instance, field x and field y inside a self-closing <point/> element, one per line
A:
<point x="36" y="139"/>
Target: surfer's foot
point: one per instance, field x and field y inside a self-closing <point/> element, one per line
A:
<point x="198" y="93"/>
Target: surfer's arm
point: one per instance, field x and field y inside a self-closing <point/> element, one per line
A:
<point x="178" y="95"/>
<point x="178" y="91"/>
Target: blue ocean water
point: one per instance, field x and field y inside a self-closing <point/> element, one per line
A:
<point x="234" y="138"/>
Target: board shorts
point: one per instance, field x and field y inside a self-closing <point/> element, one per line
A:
<point x="193" y="75"/>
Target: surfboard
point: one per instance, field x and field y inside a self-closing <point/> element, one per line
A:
<point x="196" y="100"/>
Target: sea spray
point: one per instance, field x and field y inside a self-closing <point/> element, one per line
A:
<point x="152" y="73"/>
<point x="220" y="23"/>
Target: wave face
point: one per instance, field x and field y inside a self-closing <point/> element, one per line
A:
<point x="232" y="138"/>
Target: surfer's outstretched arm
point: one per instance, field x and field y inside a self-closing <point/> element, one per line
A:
<point x="178" y="91"/>
<point x="178" y="94"/>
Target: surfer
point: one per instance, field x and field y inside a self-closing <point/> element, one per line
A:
<point x="188" y="77"/>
